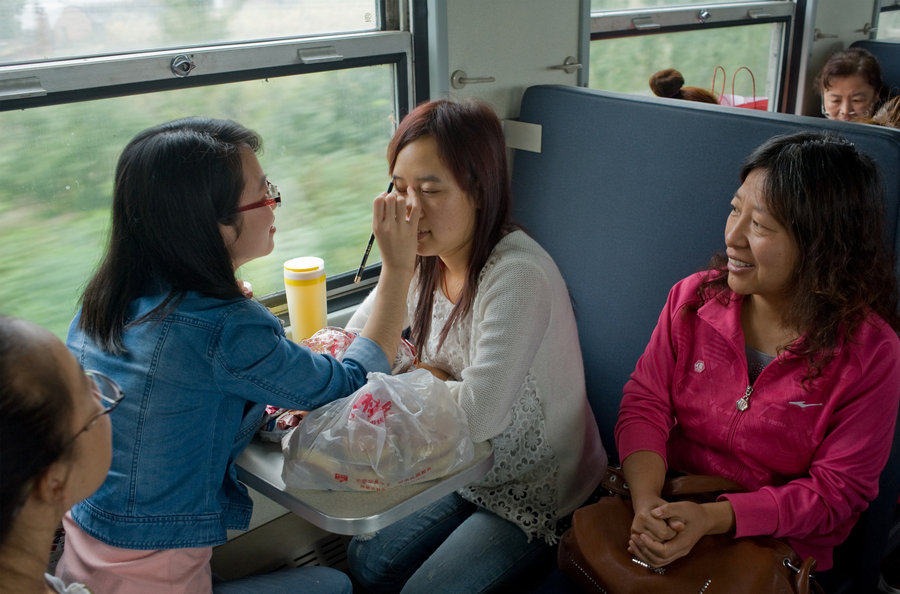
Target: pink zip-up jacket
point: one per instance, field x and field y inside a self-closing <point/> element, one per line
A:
<point x="809" y="455"/>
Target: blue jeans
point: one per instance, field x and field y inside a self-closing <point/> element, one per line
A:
<point x="449" y="546"/>
<point x="308" y="580"/>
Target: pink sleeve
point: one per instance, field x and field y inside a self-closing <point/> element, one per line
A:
<point x="646" y="414"/>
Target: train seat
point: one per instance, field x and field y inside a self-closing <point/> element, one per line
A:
<point x="630" y="194"/>
<point x="888" y="55"/>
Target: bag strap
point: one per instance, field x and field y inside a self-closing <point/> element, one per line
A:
<point x="674" y="487"/>
<point x="724" y="80"/>
<point x="803" y="577"/>
<point x="697" y="484"/>
<point x="752" y="80"/>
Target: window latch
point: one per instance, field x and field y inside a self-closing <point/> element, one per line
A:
<point x="182" y="65"/>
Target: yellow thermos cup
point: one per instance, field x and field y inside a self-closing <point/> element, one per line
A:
<point x="304" y="287"/>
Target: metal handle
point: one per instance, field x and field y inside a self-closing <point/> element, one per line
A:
<point x="182" y="65"/>
<point x="819" y="35"/>
<point x="21" y="88"/>
<point x="315" y="55"/>
<point x="867" y="28"/>
<point x="644" y="23"/>
<point x="459" y="79"/>
<point x="569" y="65"/>
<point x="757" y="13"/>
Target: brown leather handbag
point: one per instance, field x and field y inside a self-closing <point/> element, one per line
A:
<point x="593" y="552"/>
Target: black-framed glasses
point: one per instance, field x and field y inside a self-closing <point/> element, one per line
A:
<point x="272" y="199"/>
<point x="109" y="393"/>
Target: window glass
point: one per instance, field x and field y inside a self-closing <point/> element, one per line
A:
<point x="626" y="64"/>
<point x="49" y="29"/>
<point x="627" y="4"/>
<point x="324" y="139"/>
<point x="889" y="25"/>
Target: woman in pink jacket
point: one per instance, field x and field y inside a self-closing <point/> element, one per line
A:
<point x="777" y="367"/>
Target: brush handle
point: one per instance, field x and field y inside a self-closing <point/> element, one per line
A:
<point x="362" y="265"/>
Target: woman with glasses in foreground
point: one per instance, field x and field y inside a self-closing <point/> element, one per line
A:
<point x="165" y="318"/>
<point x="851" y="85"/>
<point x="55" y="448"/>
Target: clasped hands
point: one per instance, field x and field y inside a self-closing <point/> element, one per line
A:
<point x="662" y="532"/>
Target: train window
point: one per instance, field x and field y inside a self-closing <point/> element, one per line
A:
<point x="325" y="107"/>
<point x="889" y="21"/>
<point x="632" y="40"/>
<point x="617" y="4"/>
<point x="45" y="29"/>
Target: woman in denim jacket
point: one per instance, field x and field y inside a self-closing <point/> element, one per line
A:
<point x="165" y="318"/>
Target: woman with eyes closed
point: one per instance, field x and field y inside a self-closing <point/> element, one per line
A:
<point x="777" y="367"/>
<point x="491" y="315"/>
<point x="165" y="318"/>
<point x="851" y="85"/>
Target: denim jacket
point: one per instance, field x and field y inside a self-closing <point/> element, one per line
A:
<point x="197" y="380"/>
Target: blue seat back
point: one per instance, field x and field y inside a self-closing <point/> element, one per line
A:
<point x="629" y="195"/>
<point x="888" y="55"/>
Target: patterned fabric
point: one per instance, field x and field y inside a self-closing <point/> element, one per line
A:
<point x="521" y="487"/>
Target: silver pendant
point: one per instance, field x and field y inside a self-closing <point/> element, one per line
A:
<point x="743" y="402"/>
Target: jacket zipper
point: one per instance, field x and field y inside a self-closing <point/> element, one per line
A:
<point x="743" y="403"/>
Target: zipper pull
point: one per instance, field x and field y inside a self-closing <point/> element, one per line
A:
<point x="743" y="402"/>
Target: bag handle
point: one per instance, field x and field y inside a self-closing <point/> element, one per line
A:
<point x="676" y="486"/>
<point x="724" y="80"/>
<point x="752" y="80"/>
<point x="803" y="577"/>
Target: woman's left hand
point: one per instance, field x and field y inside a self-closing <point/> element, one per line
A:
<point x="690" y="521"/>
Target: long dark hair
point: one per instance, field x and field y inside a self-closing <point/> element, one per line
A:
<point x="470" y="143"/>
<point x="175" y="183"/>
<point x="829" y="197"/>
<point x="35" y="408"/>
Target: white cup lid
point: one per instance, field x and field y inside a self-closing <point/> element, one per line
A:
<point x="304" y="268"/>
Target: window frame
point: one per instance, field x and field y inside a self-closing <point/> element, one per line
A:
<point x="36" y="84"/>
<point x="614" y="24"/>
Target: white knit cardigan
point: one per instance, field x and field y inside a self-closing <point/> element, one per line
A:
<point x="517" y="373"/>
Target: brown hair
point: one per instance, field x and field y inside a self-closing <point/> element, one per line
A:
<point x="470" y="143"/>
<point x="849" y="62"/>
<point x="35" y="408"/>
<point x="888" y="114"/>
<point x="670" y="83"/>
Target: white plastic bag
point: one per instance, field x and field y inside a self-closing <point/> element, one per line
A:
<point x="395" y="430"/>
